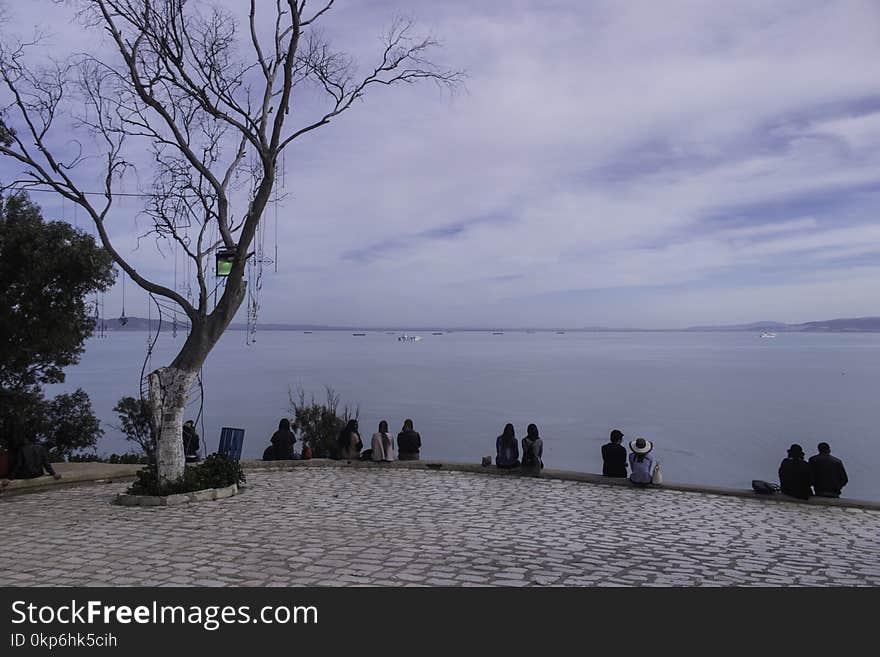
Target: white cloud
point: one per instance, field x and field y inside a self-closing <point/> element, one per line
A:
<point x="599" y="146"/>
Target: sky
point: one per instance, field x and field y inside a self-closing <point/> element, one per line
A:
<point x="623" y="164"/>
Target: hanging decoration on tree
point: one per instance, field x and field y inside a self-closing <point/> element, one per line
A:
<point x="123" y="320"/>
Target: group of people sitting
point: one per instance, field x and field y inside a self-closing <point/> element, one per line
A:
<point x="823" y="475"/>
<point x="643" y="468"/>
<point x="350" y="446"/>
<point x="507" y="449"/>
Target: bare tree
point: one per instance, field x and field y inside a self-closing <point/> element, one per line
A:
<point x="213" y="119"/>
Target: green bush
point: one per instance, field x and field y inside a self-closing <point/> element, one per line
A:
<point x="319" y="424"/>
<point x="216" y="471"/>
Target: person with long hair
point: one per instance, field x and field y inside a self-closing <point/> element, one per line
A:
<point x="506" y="448"/>
<point x="282" y="441"/>
<point x="349" y="443"/>
<point x="641" y="464"/>
<point x="533" y="449"/>
<point x="409" y="442"/>
<point x="383" y="443"/>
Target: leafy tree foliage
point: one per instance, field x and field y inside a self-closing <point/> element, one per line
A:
<point x="319" y="424"/>
<point x="70" y="424"/>
<point x="134" y="422"/>
<point x="48" y="269"/>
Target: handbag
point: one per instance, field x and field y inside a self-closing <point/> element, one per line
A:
<point x="764" y="487"/>
<point x="657" y="477"/>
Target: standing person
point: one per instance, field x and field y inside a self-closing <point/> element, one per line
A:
<point x="614" y="456"/>
<point x="349" y="443"/>
<point x="382" y="444"/>
<point x="191" y="443"/>
<point x="641" y="464"/>
<point x="283" y="440"/>
<point x="507" y="449"/>
<point x="409" y="442"/>
<point x="532" y="449"/>
<point x="829" y="475"/>
<point x="795" y="475"/>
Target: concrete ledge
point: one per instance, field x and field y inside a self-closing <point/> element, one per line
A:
<point x="207" y="495"/>
<point x="71" y="474"/>
<point x="563" y="475"/>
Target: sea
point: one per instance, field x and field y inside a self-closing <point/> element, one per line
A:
<point x="721" y="408"/>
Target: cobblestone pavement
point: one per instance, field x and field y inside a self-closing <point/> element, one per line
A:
<point x="375" y="526"/>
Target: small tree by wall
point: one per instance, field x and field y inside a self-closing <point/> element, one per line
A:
<point x="135" y="423"/>
<point x="319" y="424"/>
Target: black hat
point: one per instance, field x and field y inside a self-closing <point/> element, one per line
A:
<point x="616" y="435"/>
<point x="796" y="450"/>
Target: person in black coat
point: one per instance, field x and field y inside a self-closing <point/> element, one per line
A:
<point x="829" y="475"/>
<point x="409" y="442"/>
<point x="191" y="443"/>
<point x="614" y="456"/>
<point x="795" y="475"/>
<point x="282" y="440"/>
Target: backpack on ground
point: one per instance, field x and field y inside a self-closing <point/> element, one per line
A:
<point x="764" y="487"/>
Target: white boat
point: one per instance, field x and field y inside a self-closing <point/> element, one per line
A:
<point x="766" y="334"/>
<point x="408" y="338"/>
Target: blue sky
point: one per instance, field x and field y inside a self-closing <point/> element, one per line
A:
<point x="608" y="163"/>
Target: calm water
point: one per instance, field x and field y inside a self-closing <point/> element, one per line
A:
<point x="721" y="408"/>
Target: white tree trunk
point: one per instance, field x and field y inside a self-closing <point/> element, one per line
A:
<point x="169" y="392"/>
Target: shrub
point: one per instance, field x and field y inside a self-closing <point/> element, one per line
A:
<point x="216" y="471"/>
<point x="135" y="423"/>
<point x="319" y="424"/>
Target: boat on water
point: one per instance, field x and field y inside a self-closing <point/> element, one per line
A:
<point x="560" y="332"/>
<point x="437" y="333"/>
<point x="767" y="334"/>
<point x="497" y="332"/>
<point x="359" y="334"/>
<point x="408" y="338"/>
<point x="307" y="332"/>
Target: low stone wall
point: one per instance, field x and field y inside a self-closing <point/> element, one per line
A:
<point x="206" y="495"/>
<point x="564" y="475"/>
<point x="72" y="474"/>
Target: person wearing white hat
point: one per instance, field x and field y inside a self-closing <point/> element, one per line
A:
<point x="641" y="464"/>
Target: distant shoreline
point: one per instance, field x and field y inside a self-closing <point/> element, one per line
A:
<point x="133" y="326"/>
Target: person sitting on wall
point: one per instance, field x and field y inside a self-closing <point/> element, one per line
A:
<point x="795" y="475"/>
<point x="614" y="456"/>
<point x="283" y="440"/>
<point x="507" y="449"/>
<point x="641" y="464"/>
<point x="382" y="444"/>
<point x="829" y="475"/>
<point x="349" y="443"/>
<point x="409" y="442"/>
<point x="191" y="443"/>
<point x="532" y="449"/>
<point x="32" y="461"/>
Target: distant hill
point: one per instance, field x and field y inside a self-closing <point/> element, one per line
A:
<point x="854" y="324"/>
